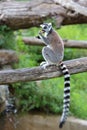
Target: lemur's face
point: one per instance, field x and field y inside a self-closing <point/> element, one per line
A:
<point x="46" y="27"/>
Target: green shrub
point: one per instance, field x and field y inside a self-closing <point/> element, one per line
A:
<point x="79" y="104"/>
<point x="74" y="32"/>
<point x="7" y="38"/>
<point x="43" y="97"/>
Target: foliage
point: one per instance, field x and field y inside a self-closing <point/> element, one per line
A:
<point x="76" y="32"/>
<point x="31" y="55"/>
<point x="39" y="97"/>
<point x="79" y="95"/>
<point x="7" y="38"/>
<point x="78" y="103"/>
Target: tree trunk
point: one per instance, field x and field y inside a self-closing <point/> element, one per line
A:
<point x="19" y="15"/>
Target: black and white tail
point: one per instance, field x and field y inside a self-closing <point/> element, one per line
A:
<point x="66" y="100"/>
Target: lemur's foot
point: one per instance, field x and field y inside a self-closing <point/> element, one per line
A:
<point x="44" y="64"/>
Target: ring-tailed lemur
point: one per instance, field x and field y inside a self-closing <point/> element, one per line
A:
<point x="53" y="53"/>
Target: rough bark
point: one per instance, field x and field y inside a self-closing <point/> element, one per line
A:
<point x="8" y="57"/>
<point x="79" y="6"/>
<point x="67" y="43"/>
<point x="18" y="15"/>
<point x="38" y="73"/>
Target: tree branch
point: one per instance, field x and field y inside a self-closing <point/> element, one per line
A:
<point x="67" y="43"/>
<point x="33" y="13"/>
<point x="38" y="73"/>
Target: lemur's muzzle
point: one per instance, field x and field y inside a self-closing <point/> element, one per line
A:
<point x="42" y="26"/>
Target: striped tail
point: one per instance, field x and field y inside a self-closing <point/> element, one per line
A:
<point x="66" y="100"/>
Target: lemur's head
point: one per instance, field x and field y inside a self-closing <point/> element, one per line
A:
<point x="46" y="27"/>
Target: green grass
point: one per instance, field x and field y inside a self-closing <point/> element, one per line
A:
<point x="79" y="104"/>
<point x="74" y="32"/>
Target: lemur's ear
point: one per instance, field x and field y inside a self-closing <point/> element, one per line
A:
<point x="50" y="24"/>
<point x="42" y="25"/>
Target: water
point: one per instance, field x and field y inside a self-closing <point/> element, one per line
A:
<point x="9" y="111"/>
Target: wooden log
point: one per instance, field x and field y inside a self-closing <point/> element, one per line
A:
<point x="33" y="41"/>
<point x="8" y="57"/>
<point x="75" y="44"/>
<point x="67" y="43"/>
<point x="33" y="13"/>
<point x="38" y="73"/>
<point x="79" y="6"/>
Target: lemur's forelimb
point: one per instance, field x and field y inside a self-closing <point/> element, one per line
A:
<point x="43" y="38"/>
<point x="38" y="37"/>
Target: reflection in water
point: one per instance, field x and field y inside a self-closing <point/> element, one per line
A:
<point x="8" y="122"/>
<point x="11" y="111"/>
<point x="13" y="119"/>
<point x="9" y="114"/>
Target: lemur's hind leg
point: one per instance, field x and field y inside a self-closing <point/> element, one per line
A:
<point x="49" y="56"/>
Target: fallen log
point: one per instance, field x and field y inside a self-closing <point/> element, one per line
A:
<point x="79" y="6"/>
<point x="38" y="73"/>
<point x="19" y="15"/>
<point x="68" y="43"/>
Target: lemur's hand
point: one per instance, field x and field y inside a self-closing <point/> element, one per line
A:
<point x="38" y="37"/>
<point x="41" y="32"/>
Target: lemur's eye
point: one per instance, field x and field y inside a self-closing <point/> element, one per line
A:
<point x="45" y="27"/>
